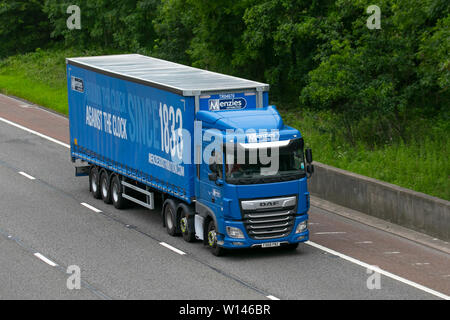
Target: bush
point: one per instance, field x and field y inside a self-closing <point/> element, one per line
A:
<point x="379" y="81"/>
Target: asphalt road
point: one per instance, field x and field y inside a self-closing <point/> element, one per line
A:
<point x="44" y="229"/>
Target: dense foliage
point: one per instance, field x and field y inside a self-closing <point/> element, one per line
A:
<point x="24" y="26"/>
<point x="316" y="54"/>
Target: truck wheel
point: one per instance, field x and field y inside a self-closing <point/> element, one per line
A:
<point x="116" y="193"/>
<point x="94" y="183"/>
<point x="212" y="240"/>
<point x="187" y="225"/>
<point x="170" y="220"/>
<point x="105" y="187"/>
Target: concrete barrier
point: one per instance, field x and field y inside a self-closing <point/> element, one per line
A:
<point x="407" y="208"/>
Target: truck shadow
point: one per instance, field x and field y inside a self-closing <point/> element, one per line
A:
<point x="263" y="253"/>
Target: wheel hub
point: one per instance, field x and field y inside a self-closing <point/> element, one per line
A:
<point x="115" y="194"/>
<point x="183" y="224"/>
<point x="104" y="189"/>
<point x="94" y="186"/>
<point x="169" y="222"/>
<point x="212" y="238"/>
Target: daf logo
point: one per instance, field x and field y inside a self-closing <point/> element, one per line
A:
<point x="269" y="204"/>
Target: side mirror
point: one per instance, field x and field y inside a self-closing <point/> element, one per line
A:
<point x="310" y="169"/>
<point x="308" y="155"/>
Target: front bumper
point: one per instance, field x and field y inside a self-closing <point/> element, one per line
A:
<point x="233" y="243"/>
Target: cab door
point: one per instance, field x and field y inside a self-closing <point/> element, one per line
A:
<point x="211" y="175"/>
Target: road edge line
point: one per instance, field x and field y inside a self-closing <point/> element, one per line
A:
<point x="379" y="270"/>
<point x="35" y="133"/>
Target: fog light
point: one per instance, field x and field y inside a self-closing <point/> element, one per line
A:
<point x="302" y="226"/>
<point x="235" y="233"/>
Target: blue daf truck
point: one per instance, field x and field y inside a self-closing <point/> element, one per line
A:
<point x="226" y="168"/>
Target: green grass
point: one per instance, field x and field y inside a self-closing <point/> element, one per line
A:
<point x="422" y="164"/>
<point x="40" y="77"/>
<point x="37" y="77"/>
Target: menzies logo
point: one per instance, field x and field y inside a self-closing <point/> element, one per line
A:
<point x="227" y="104"/>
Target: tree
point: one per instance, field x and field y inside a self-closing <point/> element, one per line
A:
<point x="119" y="24"/>
<point x="375" y="81"/>
<point x="279" y="42"/>
<point x="23" y="26"/>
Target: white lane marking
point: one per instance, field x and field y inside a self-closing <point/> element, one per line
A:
<point x="421" y="263"/>
<point x="330" y="232"/>
<point x="35" y="133"/>
<point x="91" y="207"/>
<point x="391" y="252"/>
<point x="27" y="175"/>
<point x="46" y="260"/>
<point x="168" y="246"/>
<point x="364" y="242"/>
<point x="380" y="271"/>
<point x="272" y="298"/>
<point x="350" y="259"/>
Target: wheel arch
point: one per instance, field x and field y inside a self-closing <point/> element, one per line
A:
<point x="208" y="215"/>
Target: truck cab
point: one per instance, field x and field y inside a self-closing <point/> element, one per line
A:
<point x="251" y="187"/>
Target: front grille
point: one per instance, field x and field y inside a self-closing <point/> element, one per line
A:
<point x="270" y="223"/>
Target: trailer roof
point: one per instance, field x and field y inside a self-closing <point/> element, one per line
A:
<point x="174" y="77"/>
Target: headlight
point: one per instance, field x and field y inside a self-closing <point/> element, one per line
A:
<point x="302" y="226"/>
<point x="235" y="233"/>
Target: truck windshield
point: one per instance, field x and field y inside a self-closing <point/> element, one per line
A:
<point x="286" y="163"/>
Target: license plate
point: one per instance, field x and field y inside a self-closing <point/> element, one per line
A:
<point x="270" y="244"/>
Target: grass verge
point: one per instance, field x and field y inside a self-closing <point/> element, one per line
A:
<point x="422" y="164"/>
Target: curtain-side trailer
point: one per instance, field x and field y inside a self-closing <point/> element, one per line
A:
<point x="230" y="172"/>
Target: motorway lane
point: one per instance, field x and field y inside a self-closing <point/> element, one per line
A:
<point x="129" y="263"/>
<point x="23" y="276"/>
<point x="118" y="261"/>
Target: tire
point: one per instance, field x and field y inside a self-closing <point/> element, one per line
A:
<point x="116" y="193"/>
<point x="94" y="183"/>
<point x="186" y="223"/>
<point x="105" y="188"/>
<point x="212" y="240"/>
<point x="170" y="219"/>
